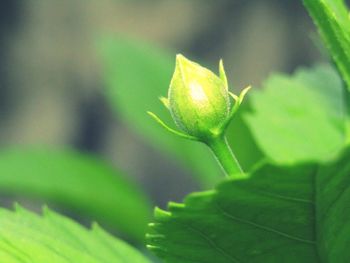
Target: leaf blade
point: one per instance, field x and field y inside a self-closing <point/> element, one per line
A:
<point x="304" y="113"/>
<point x="77" y="181"/>
<point x="274" y="216"/>
<point x="29" y="237"/>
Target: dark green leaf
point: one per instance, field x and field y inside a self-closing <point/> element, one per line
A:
<point x="280" y="214"/>
<point x="82" y="182"/>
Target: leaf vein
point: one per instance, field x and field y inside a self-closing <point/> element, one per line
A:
<point x="211" y="242"/>
<point x="262" y="227"/>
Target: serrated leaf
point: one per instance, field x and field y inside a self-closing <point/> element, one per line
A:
<point x="137" y="74"/>
<point x="26" y="237"/>
<point x="280" y="214"/>
<point x="78" y="181"/>
<point x="333" y="22"/>
<point x="300" y="117"/>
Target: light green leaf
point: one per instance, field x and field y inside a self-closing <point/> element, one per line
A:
<point x="137" y="74"/>
<point x="26" y="237"/>
<point x="299" y="118"/>
<point x="333" y="22"/>
<point x="78" y="181"/>
<point x="280" y="214"/>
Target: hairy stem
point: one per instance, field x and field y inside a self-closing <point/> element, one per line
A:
<point x="225" y="157"/>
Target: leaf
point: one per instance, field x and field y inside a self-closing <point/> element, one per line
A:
<point x="332" y="20"/>
<point x="78" y="181"/>
<point x="136" y="75"/>
<point x="26" y="237"/>
<point x="280" y="214"/>
<point x="299" y="118"/>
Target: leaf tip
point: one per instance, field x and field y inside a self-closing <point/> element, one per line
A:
<point x="175" y="206"/>
<point x="160" y="214"/>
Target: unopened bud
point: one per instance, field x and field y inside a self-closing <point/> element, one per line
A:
<point x="198" y="99"/>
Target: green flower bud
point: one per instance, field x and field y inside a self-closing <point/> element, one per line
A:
<point x="199" y="101"/>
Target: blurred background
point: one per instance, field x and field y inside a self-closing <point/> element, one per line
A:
<point x="51" y="73"/>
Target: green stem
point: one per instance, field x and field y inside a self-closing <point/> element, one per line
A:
<point x="225" y="156"/>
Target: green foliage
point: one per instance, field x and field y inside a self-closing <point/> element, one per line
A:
<point x="285" y="214"/>
<point x="26" y="237"/>
<point x="137" y="74"/>
<point x="332" y="20"/>
<point x="299" y="118"/>
<point x="78" y="181"/>
<point x="292" y="209"/>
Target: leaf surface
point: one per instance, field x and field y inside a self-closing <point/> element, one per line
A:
<point x="77" y="181"/>
<point x="280" y="214"/>
<point x="26" y="237"/>
<point x="300" y="117"/>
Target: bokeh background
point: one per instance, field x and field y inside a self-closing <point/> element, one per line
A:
<point x="51" y="79"/>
